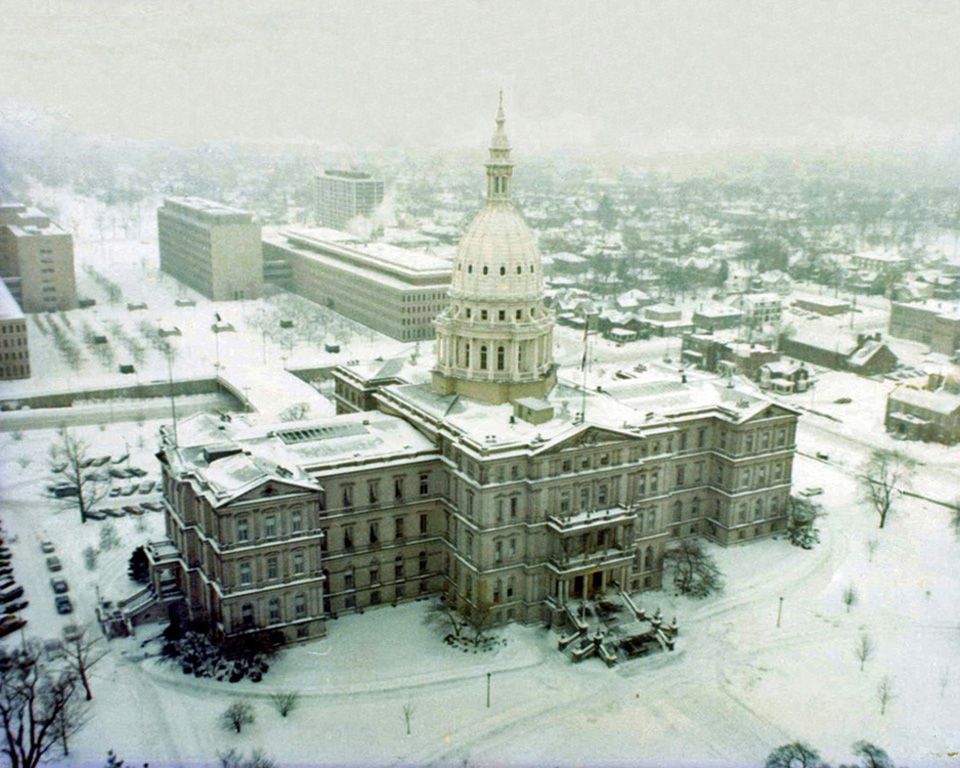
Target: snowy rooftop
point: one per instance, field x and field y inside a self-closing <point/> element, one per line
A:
<point x="379" y="261"/>
<point x="9" y="309"/>
<point x="205" y="208"/>
<point x="938" y="402"/>
<point x="232" y="454"/>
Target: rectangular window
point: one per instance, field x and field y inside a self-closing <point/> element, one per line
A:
<point x="423" y="523"/>
<point x="601" y="496"/>
<point x="348" y="580"/>
<point x="374" y="532"/>
<point x="273" y="568"/>
<point x="514" y="507"/>
<point x="324" y="539"/>
<point x="243" y="529"/>
<point x="374" y="574"/>
<point x="424" y="485"/>
<point x="398" y="527"/>
<point x="398" y="488"/>
<point x="680" y="475"/>
<point x="348" y="496"/>
<point x="296" y="521"/>
<point x="298" y="562"/>
<point x="348" y="538"/>
<point x="246" y="574"/>
<point x="300" y="605"/>
<point x="270" y="526"/>
<point x="373" y="492"/>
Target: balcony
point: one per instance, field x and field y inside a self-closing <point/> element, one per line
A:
<point x="584" y="522"/>
<point x="565" y="563"/>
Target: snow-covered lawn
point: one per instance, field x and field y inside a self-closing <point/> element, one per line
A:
<point x="736" y="686"/>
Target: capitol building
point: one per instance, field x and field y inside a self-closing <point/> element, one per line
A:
<point x="484" y="475"/>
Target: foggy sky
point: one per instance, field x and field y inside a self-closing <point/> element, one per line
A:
<point x="640" y="76"/>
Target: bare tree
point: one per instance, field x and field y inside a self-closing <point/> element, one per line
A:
<point x="872" y="545"/>
<point x="443" y="613"/>
<point x="285" y="701"/>
<point x="884" y="473"/>
<point x="70" y="464"/>
<point x="795" y="755"/>
<point x="871" y="756"/>
<point x="480" y="618"/>
<point x="38" y="707"/>
<point x="83" y="650"/>
<point x="233" y="758"/>
<point x="408" y="710"/>
<point x="885" y="693"/>
<point x="955" y="519"/>
<point x="863" y="649"/>
<point x="849" y="597"/>
<point x="237" y="715"/>
<point x="694" y="571"/>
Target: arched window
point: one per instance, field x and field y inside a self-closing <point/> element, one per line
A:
<point x="648" y="559"/>
<point x="486" y="270"/>
<point x="677" y="511"/>
<point x="501" y="358"/>
<point x="470" y="269"/>
<point x="246" y="614"/>
<point x="531" y="268"/>
<point x="519" y="269"/>
<point x="300" y="605"/>
<point x="483" y="357"/>
<point x="503" y="271"/>
<point x="466" y="354"/>
<point x="758" y="509"/>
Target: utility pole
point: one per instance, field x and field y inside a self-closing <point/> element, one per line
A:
<point x="488" y="689"/>
<point x="779" y="612"/>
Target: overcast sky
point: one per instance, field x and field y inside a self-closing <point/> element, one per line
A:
<point x="633" y="75"/>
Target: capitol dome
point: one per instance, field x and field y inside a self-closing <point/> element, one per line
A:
<point x="495" y="339"/>
<point x="497" y="257"/>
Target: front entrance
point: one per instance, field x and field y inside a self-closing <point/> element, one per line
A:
<point x="588" y="586"/>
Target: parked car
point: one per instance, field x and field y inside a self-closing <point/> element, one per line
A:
<point x="100" y="461"/>
<point x="95" y="514"/>
<point x="114" y="512"/>
<point x="129" y="490"/>
<point x="132" y="510"/>
<point x="152" y="506"/>
<point x="10" y="595"/>
<point x="137" y="472"/>
<point x="146" y="486"/>
<point x="47" y="547"/>
<point x="54" y="564"/>
<point x="7" y="570"/>
<point x="63" y="604"/>
<point x="53" y="649"/>
<point x="59" y="585"/>
<point x="7" y="583"/>
<point x="115" y="491"/>
<point x="72" y="632"/>
<point x="823" y="456"/>
<point x="19" y="605"/>
<point x="10" y="624"/>
<point x="812" y="491"/>
<point x="120" y="459"/>
<point x="65" y="489"/>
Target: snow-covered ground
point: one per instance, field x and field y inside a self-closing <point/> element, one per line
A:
<point x="736" y="687"/>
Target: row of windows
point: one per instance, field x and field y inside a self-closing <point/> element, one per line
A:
<point x="271" y="568"/>
<point x="275" y="612"/>
<point x="375" y="533"/>
<point x="13" y="328"/>
<point x="19" y="342"/>
<point x="374" y="571"/>
<point x="373" y="495"/>
<point x="486" y="270"/>
<point x="272" y="525"/>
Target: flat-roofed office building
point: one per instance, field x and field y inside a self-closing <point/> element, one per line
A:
<point x="213" y="248"/>
<point x="392" y="290"/>
<point x="36" y="260"/>
<point x="344" y="195"/>
<point x="14" y="352"/>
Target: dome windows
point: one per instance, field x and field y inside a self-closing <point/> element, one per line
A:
<point x="483" y="357"/>
<point x="503" y="271"/>
<point x="486" y="270"/>
<point x="519" y="269"/>
<point x="470" y="269"/>
<point x="501" y="358"/>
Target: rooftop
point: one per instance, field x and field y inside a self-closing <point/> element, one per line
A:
<point x="379" y="261"/>
<point x="9" y="309"/>
<point x="206" y="208"/>
<point x="939" y="402"/>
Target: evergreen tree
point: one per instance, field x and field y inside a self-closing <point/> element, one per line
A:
<point x="139" y="566"/>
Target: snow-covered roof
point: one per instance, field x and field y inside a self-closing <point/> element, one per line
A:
<point x="939" y="402"/>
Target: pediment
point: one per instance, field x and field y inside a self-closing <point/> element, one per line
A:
<point x="587" y="437"/>
<point x="270" y="488"/>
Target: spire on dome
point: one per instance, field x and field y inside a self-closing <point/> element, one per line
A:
<point x="499" y="166"/>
